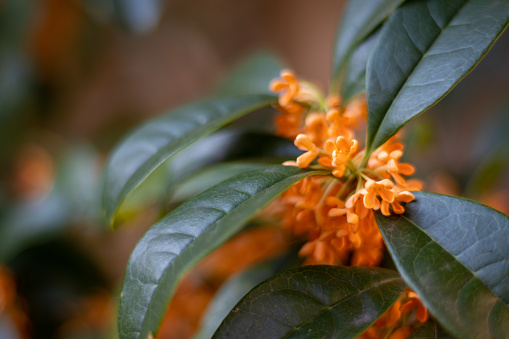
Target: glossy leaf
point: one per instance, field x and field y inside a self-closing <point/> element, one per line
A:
<point x="252" y="76"/>
<point x="354" y="82"/>
<point x="430" y="330"/>
<point x="154" y="142"/>
<point x="425" y="48"/>
<point x="234" y="289"/>
<point x="229" y="145"/>
<point x="314" y="302"/>
<point x="209" y="177"/>
<point x="187" y="235"/>
<point x="360" y="18"/>
<point x="455" y="254"/>
<point x="175" y="178"/>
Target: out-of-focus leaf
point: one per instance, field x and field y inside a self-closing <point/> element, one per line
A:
<point x="230" y="145"/>
<point x="14" y="22"/>
<point x="430" y="330"/>
<point x="425" y="48"/>
<point x="234" y="289"/>
<point x="314" y="302"/>
<point x="188" y="234"/>
<point x="209" y="177"/>
<point x="354" y="82"/>
<point x="454" y="253"/>
<point x="252" y="76"/>
<point x="224" y="145"/>
<point x="74" y="197"/>
<point x="154" y="142"/>
<point x="489" y="153"/>
<point x="360" y="18"/>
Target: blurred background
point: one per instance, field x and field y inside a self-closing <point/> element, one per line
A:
<point x="77" y="75"/>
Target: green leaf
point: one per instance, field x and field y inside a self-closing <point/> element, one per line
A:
<point x="187" y="235"/>
<point x="430" y="330"/>
<point x="154" y="142"/>
<point x="454" y="253"/>
<point x="252" y="76"/>
<point x="359" y="20"/>
<point x="235" y="288"/>
<point x="354" y="82"/>
<point x="425" y="48"/>
<point x="314" y="302"/>
<point x="210" y="176"/>
<point x="233" y="145"/>
<point x="175" y="178"/>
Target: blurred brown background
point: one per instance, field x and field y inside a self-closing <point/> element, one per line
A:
<point x="77" y="75"/>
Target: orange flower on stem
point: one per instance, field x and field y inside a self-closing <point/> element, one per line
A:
<point x="395" y="169"/>
<point x="304" y="144"/>
<point x="340" y="210"/>
<point x="403" y="196"/>
<point x="382" y="188"/>
<point x="287" y="86"/>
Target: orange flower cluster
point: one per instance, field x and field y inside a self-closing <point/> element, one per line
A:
<point x="335" y="214"/>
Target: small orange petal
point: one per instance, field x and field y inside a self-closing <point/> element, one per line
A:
<point x="409" y="305"/>
<point x="386" y="182"/>
<point x="336" y="212"/>
<point x="339" y="171"/>
<point x="387" y="195"/>
<point x="399" y="179"/>
<point x="397" y="208"/>
<point x="370" y="200"/>
<point x="384" y="208"/>
<point x="406" y="169"/>
<point x="422" y="313"/>
<point x="405" y="196"/>
<point x="277" y="86"/>
<point x="305" y="159"/>
<point x="352" y="218"/>
<point x="303" y="142"/>
<point x="396" y="154"/>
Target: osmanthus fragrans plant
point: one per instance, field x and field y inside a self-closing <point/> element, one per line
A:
<point x="346" y="195"/>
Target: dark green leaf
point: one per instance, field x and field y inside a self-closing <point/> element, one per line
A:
<point x="175" y="178"/>
<point x="430" y="330"/>
<point x="210" y="176"/>
<point x="188" y="234"/>
<point x="425" y="48"/>
<point x="454" y="253"/>
<point x="360" y="18"/>
<point x="354" y="82"/>
<point x="161" y="138"/>
<point x="252" y="76"/>
<point x="234" y="289"/>
<point x="233" y="145"/>
<point x="314" y="302"/>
